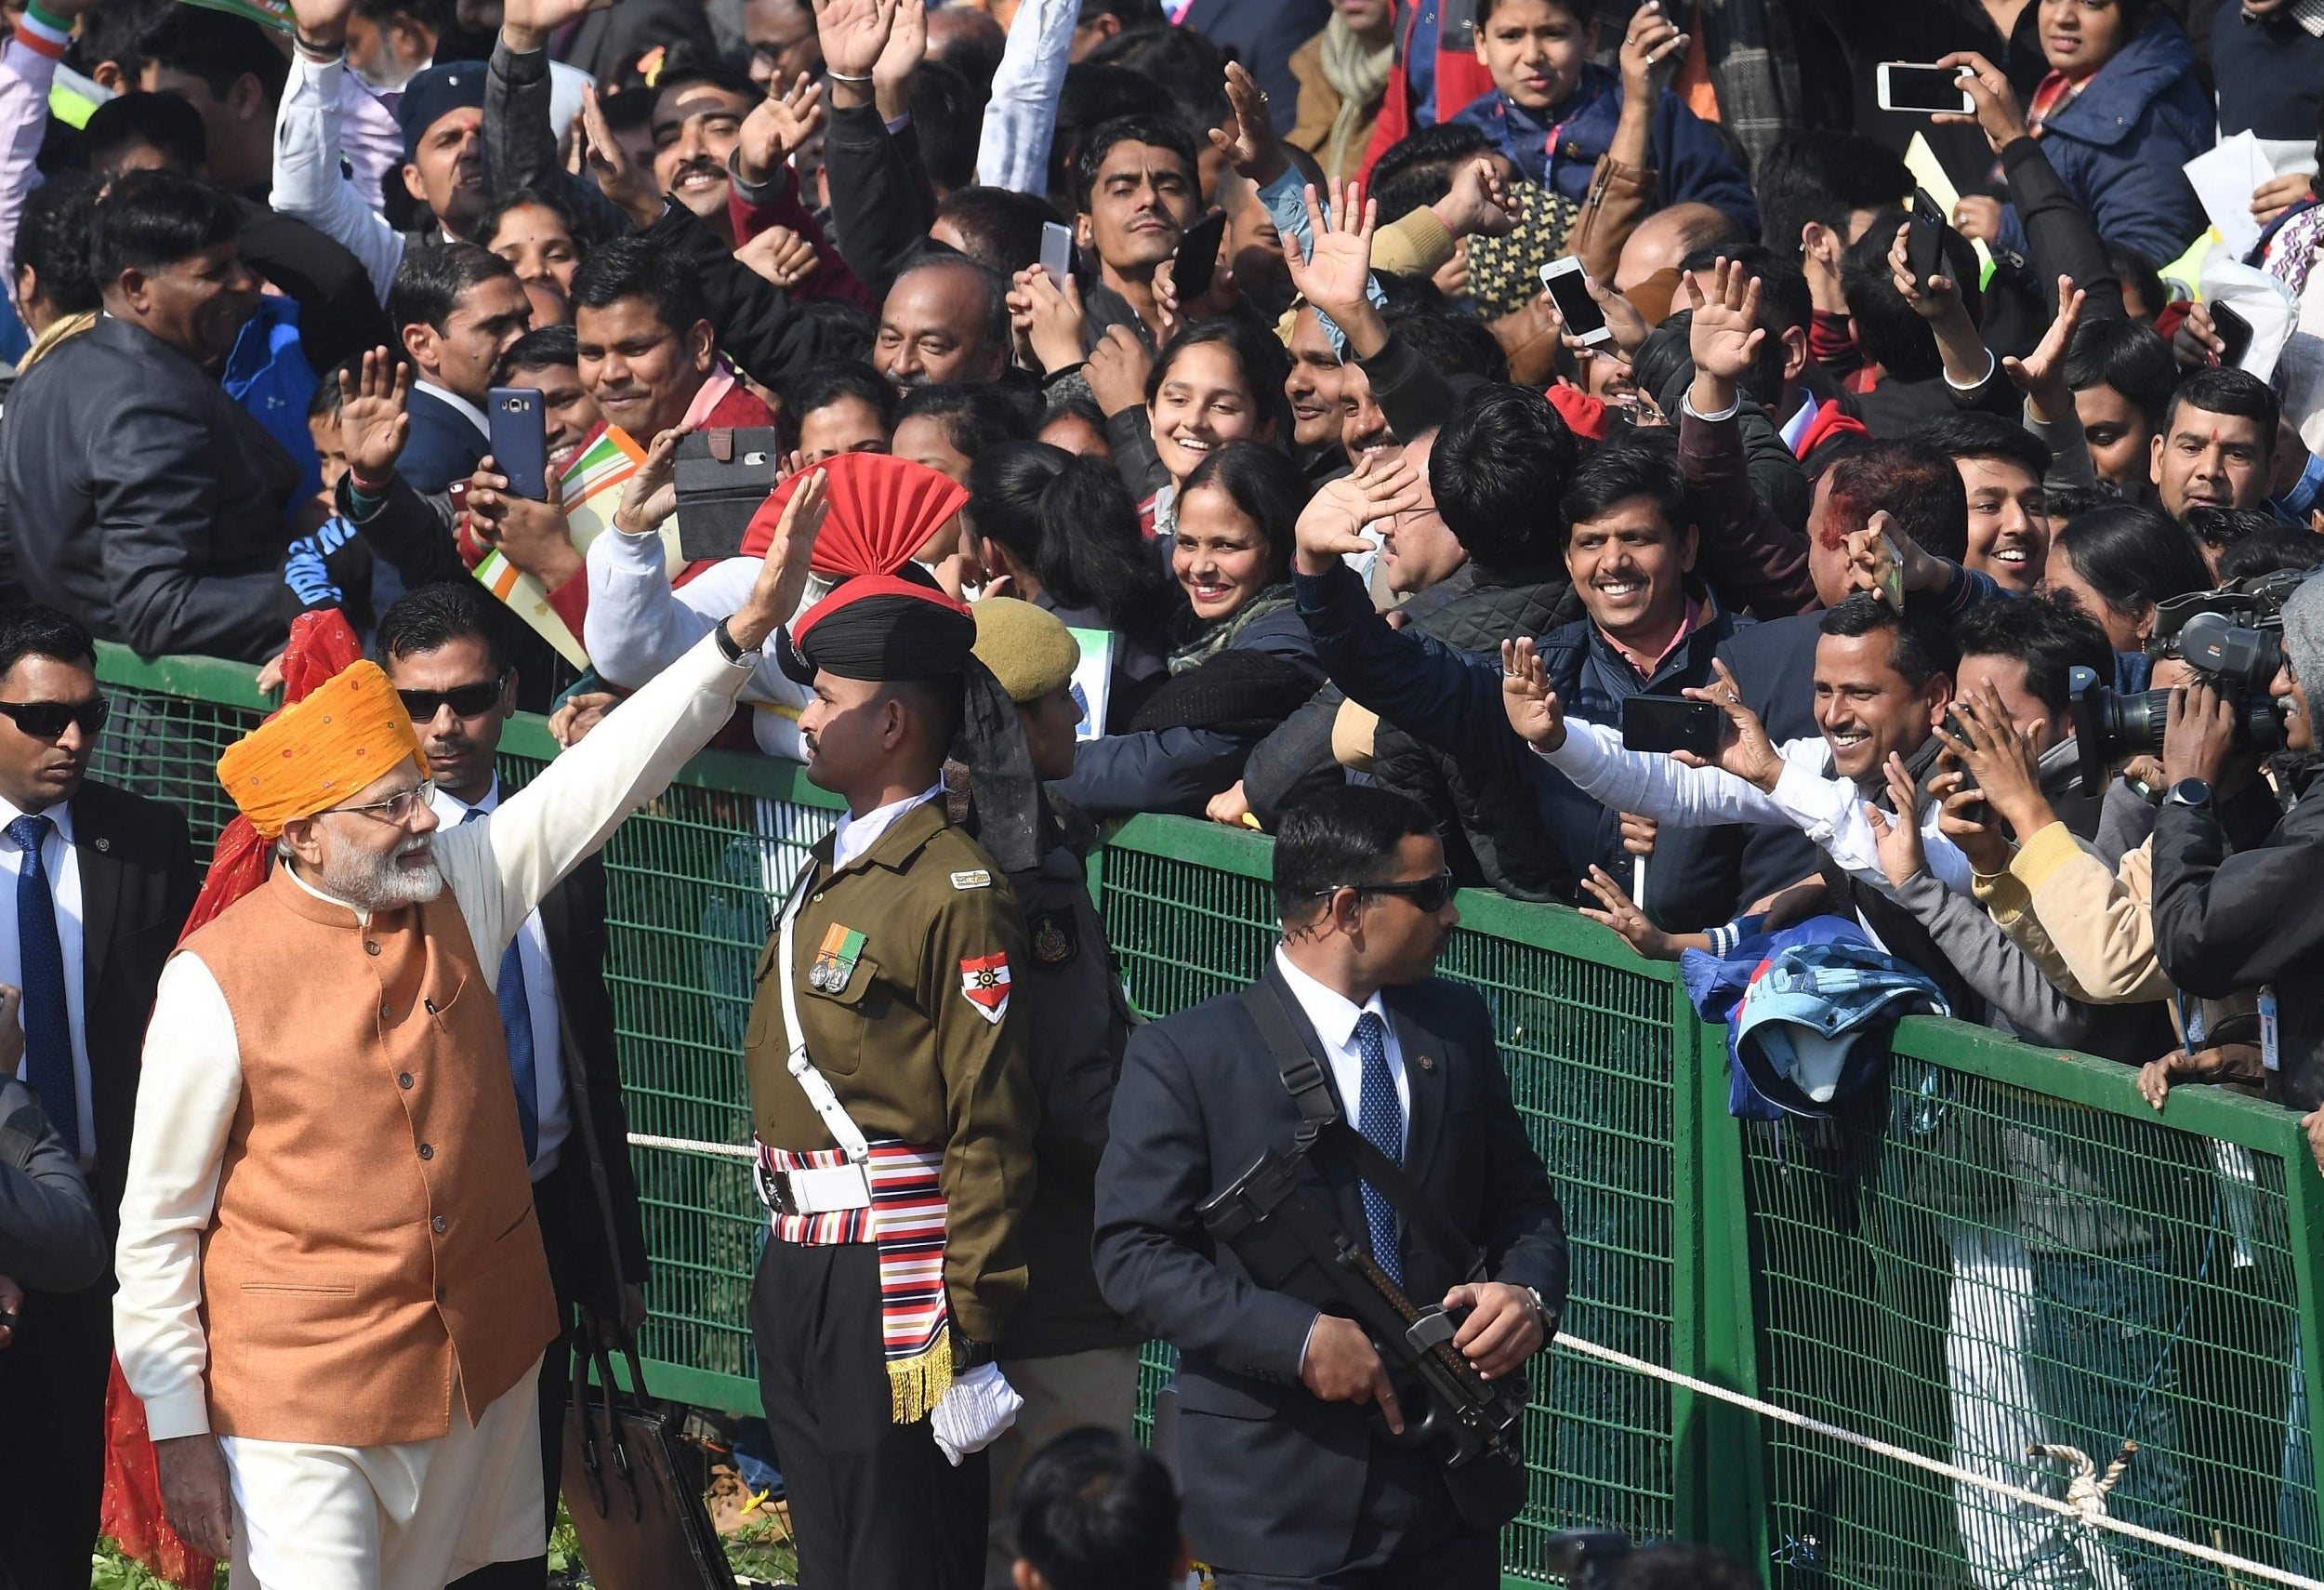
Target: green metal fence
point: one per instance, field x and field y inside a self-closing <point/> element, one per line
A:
<point x="2005" y="1247"/>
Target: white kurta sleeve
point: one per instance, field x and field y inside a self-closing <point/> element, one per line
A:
<point x="188" y="1092"/>
<point x="638" y="624"/>
<point x="499" y="868"/>
<point x="308" y="185"/>
<point x="1652" y="784"/>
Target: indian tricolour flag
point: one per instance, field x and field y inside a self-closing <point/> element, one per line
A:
<point x="593" y="484"/>
<point x="528" y="598"/>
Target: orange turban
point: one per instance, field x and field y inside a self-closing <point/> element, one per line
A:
<point x="319" y="751"/>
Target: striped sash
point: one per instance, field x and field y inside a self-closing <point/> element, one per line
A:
<point x="905" y="1222"/>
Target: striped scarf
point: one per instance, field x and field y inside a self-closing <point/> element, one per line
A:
<point x="905" y="1222"/>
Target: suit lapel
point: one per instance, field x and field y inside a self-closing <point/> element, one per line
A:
<point x="101" y="878"/>
<point x="1424" y="1070"/>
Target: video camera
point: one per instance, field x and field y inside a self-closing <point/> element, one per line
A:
<point x="2231" y="638"/>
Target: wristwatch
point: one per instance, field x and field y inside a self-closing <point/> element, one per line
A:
<point x="2192" y="794"/>
<point x="1548" y="1315"/>
<point x="729" y="647"/>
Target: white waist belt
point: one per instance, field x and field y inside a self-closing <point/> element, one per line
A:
<point x="823" y="1191"/>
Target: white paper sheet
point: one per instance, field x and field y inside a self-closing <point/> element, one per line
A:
<point x="2224" y="176"/>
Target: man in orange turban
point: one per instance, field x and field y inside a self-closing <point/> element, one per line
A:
<point x="334" y="1299"/>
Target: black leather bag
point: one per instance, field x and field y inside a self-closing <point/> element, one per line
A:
<point x="631" y="1490"/>
<point x="723" y="476"/>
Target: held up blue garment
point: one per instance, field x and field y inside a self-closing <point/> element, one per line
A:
<point x="1809" y="1009"/>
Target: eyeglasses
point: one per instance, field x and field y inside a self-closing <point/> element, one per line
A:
<point x="1429" y="894"/>
<point x="399" y="807"/>
<point x="465" y="700"/>
<point x="46" y="720"/>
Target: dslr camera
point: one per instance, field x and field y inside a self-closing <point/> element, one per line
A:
<point x="2231" y="638"/>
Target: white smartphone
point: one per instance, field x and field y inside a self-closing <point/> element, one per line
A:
<point x="1569" y="289"/>
<point x="1924" y="90"/>
<point x="1057" y="250"/>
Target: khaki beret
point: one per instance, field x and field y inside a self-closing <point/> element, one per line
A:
<point x="1028" y="648"/>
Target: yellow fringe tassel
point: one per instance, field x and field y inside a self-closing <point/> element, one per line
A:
<point x="916" y="1384"/>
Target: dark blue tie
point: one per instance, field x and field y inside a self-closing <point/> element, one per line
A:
<point x="516" y="1020"/>
<point x="1379" y="1118"/>
<point x="47" y="1016"/>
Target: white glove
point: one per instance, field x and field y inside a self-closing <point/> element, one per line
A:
<point x="970" y="1416"/>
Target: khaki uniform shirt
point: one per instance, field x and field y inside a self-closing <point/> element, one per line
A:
<point x="914" y="1029"/>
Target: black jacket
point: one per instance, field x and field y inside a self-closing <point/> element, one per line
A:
<point x="1490" y="825"/>
<point x="1070" y="982"/>
<point x="444" y="444"/>
<point x="138" y="879"/>
<point x="2224" y="922"/>
<point x="881" y="202"/>
<point x="144" y="500"/>
<point x="572" y="1227"/>
<point x="1276" y="1480"/>
<point x="51" y="1237"/>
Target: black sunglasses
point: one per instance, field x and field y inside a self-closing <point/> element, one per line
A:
<point x="465" y="700"/>
<point x="1430" y="895"/>
<point x="46" y="720"/>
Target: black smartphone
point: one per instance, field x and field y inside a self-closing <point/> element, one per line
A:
<point x="520" y="439"/>
<point x="1197" y="258"/>
<point x="1672" y="723"/>
<point x="1924" y="248"/>
<point x="2234" y="331"/>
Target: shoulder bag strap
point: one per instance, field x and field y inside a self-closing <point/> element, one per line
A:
<point x="1320" y="1120"/>
<point x="834" y="1116"/>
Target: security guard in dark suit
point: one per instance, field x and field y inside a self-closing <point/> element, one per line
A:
<point x="890" y="1099"/>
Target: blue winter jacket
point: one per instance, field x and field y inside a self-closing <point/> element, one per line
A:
<point x="2120" y="143"/>
<point x="1691" y="165"/>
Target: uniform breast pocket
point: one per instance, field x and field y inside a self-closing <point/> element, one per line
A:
<point x="839" y="1020"/>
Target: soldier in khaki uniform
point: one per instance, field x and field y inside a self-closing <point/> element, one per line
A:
<point x="895" y="1144"/>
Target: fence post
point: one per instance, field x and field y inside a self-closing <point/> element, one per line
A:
<point x="1718" y="1477"/>
<point x="2303" y="1201"/>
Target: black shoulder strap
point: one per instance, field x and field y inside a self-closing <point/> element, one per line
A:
<point x="1321" y="1121"/>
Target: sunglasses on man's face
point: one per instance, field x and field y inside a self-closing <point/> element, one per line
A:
<point x="48" y="720"/>
<point x="465" y="700"/>
<point x="1427" y="895"/>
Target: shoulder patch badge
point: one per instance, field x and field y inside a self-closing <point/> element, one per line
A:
<point x="1052" y="938"/>
<point x="979" y="879"/>
<point x="984" y="984"/>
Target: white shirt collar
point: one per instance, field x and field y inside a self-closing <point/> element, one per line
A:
<point x="451" y="811"/>
<point x="1796" y="426"/>
<point x="853" y="836"/>
<point x="454" y="400"/>
<point x="60" y="813"/>
<point x="1333" y="1013"/>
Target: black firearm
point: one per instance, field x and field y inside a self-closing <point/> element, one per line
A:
<point x="1291" y="1243"/>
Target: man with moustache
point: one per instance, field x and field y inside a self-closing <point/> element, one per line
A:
<point x="334" y="1298"/>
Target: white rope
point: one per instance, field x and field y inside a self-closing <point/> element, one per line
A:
<point x="2088" y="1510"/>
<point x="2093" y="1515"/>
<point x="689" y="1146"/>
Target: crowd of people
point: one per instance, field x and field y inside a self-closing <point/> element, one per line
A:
<point x="1027" y="414"/>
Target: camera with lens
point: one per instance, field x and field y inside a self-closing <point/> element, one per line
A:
<point x="2230" y="639"/>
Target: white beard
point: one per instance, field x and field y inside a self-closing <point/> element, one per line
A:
<point x="371" y="881"/>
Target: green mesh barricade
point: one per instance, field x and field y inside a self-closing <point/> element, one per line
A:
<point x="2005" y="1249"/>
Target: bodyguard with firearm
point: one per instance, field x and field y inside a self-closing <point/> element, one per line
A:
<point x="1294" y="1435"/>
<point x="2257" y="917"/>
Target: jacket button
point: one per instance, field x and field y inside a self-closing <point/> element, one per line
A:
<point x="443" y="1296"/>
<point x="371" y="947"/>
<point x="403" y="1079"/>
<point x="383" y="1014"/>
<point x="428" y="1150"/>
<point x="438" y="1223"/>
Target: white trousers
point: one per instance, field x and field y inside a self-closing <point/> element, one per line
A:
<point x="411" y="1517"/>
